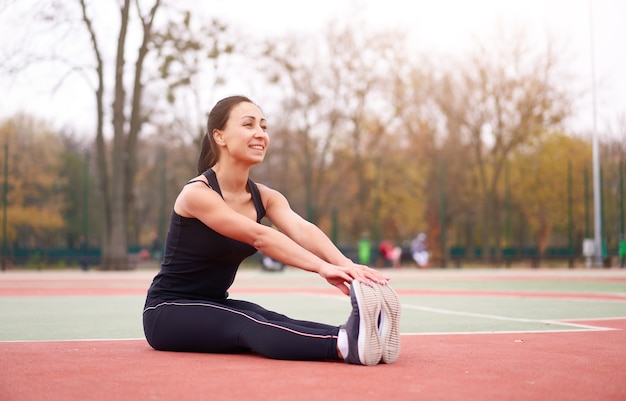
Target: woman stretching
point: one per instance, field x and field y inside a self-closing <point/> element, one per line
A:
<point x="215" y="225"/>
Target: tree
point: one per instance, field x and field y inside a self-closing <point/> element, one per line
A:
<point x="309" y="129"/>
<point x="167" y="51"/>
<point x="338" y="135"/>
<point x="434" y="156"/>
<point x="116" y="188"/>
<point x="77" y="189"/>
<point x="541" y="184"/>
<point x="117" y="172"/>
<point x="515" y="97"/>
<point x="364" y="67"/>
<point x="613" y="180"/>
<point x="34" y="202"/>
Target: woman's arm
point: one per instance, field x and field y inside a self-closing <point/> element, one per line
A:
<point x="301" y="231"/>
<point x="196" y="200"/>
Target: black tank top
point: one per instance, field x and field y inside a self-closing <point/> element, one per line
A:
<point x="199" y="263"/>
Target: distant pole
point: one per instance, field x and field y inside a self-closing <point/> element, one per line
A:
<point x="507" y="206"/>
<point x="602" y="211"/>
<point x="442" y="213"/>
<point x="597" y="205"/>
<point x="586" y="194"/>
<point x="621" y="197"/>
<point x="86" y="200"/>
<point x="570" y="220"/>
<point x="5" y="190"/>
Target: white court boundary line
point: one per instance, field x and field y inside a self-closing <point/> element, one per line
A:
<point x="577" y="327"/>
<point x="75" y="340"/>
<point x="566" y="323"/>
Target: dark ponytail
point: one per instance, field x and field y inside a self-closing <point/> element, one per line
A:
<point x="209" y="152"/>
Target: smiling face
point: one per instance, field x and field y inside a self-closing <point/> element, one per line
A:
<point x="245" y="135"/>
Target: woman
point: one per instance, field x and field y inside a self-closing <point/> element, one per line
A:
<point x="215" y="225"/>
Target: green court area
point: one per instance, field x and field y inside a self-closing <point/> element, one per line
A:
<point x="60" y="305"/>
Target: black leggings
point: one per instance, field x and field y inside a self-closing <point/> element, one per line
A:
<point x="236" y="326"/>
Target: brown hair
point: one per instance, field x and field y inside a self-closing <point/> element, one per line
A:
<point x="209" y="152"/>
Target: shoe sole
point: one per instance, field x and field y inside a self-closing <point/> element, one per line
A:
<point x="369" y="342"/>
<point x="390" y="323"/>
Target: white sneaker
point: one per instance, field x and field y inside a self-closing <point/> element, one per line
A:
<point x="389" y="325"/>
<point x="364" y="342"/>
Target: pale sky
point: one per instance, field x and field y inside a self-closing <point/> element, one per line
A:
<point x="442" y="26"/>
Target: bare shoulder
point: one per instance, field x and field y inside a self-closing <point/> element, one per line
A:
<point x="271" y="196"/>
<point x="264" y="189"/>
<point x="197" y="186"/>
<point x="194" y="197"/>
<point x="279" y="212"/>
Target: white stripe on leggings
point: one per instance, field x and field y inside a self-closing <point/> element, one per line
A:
<point x="239" y="313"/>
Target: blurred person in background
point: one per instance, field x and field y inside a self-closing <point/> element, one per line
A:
<point x="419" y="250"/>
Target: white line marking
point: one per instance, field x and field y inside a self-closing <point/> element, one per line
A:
<point x="497" y="317"/>
<point x="452" y="333"/>
<point x="564" y="322"/>
<point x="84" y="340"/>
<point x="591" y="319"/>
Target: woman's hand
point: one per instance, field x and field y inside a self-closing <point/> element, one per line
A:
<point x="340" y="275"/>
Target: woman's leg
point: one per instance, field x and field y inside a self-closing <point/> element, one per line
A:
<point x="234" y="326"/>
<point x="195" y="326"/>
<point x="280" y="337"/>
<point x="274" y="316"/>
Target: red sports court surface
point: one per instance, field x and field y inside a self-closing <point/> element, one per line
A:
<point x="466" y="335"/>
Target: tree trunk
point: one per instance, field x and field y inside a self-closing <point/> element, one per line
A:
<point x="101" y="159"/>
<point x="114" y="256"/>
<point x="486" y="234"/>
